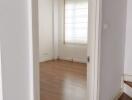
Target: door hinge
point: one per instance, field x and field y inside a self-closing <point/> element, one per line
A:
<point x="88" y="58"/>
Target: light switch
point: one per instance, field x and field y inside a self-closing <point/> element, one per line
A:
<point x="105" y="26"/>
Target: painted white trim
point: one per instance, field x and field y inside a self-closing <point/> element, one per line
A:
<point x="128" y="78"/>
<point x="33" y="49"/>
<point x="1" y="91"/>
<point x="75" y="59"/>
<point x="128" y="90"/>
<point x="118" y="95"/>
<point x="65" y="58"/>
<point x="80" y="60"/>
<point x="43" y="58"/>
<point x="95" y="26"/>
<point x="30" y="49"/>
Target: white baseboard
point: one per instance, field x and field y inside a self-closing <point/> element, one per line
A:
<point x="44" y="58"/>
<point x="66" y="58"/>
<point x="127" y="89"/>
<point x="118" y="94"/>
<point x="47" y="58"/>
<point x="80" y="60"/>
<point x="128" y="77"/>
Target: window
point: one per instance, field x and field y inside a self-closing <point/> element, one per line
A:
<point x="76" y="21"/>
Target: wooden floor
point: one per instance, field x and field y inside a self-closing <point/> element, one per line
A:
<point x="128" y="83"/>
<point x="62" y="80"/>
<point x="125" y="97"/>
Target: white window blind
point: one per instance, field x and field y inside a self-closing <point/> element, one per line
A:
<point x="76" y="21"/>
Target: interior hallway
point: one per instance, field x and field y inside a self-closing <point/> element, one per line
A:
<point x="63" y="80"/>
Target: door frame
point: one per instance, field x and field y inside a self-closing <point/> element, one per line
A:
<point x="95" y="27"/>
<point x="1" y="86"/>
<point x="94" y="49"/>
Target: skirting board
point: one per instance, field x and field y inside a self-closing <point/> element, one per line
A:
<point x="127" y="89"/>
<point x="128" y="77"/>
<point x="44" y="58"/>
<point x="118" y="95"/>
<point x="80" y="60"/>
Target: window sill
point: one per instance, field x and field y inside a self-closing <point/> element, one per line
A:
<point x="78" y="44"/>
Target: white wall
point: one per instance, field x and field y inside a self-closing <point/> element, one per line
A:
<point x="51" y="34"/>
<point x="56" y="28"/>
<point x="45" y="29"/>
<point x="128" y="48"/>
<point x="112" y="47"/>
<point x="14" y="40"/>
<point x="69" y="51"/>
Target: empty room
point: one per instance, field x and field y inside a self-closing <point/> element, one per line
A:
<point x="63" y="39"/>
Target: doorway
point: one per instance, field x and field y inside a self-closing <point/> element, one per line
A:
<point x="92" y="52"/>
<point x="63" y="53"/>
